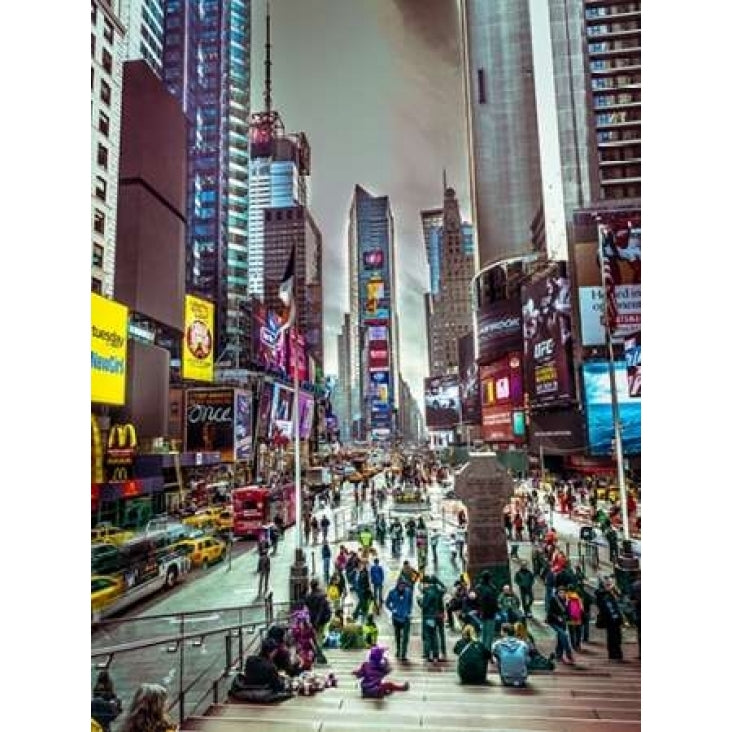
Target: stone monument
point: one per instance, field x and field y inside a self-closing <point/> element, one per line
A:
<point x="485" y="487"/>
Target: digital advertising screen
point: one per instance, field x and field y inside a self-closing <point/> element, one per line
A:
<point x="373" y="259"/>
<point x="598" y="409"/>
<point x="108" y="350"/>
<point x="620" y="237"/>
<point x="269" y="346"/>
<point x="306" y="404"/>
<point x="209" y="425"/>
<point x="198" y="339"/>
<point x="469" y="380"/>
<point x="264" y="412"/>
<point x="442" y="401"/>
<point x="633" y="364"/>
<point x="282" y="412"/>
<point x="501" y="382"/>
<point x="378" y="355"/>
<point x="547" y="334"/>
<point x="499" y="329"/>
<point x="379" y="387"/>
<point x="296" y="355"/>
<point x="378" y="333"/>
<point x="243" y="425"/>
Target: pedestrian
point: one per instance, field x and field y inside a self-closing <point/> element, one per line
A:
<point x="315" y="528"/>
<point x="105" y="704"/>
<point x="371" y="675"/>
<point x="635" y="598"/>
<point x="473" y="657"/>
<point x="512" y="657"/>
<point x="460" y="538"/>
<point x="377" y="582"/>
<point x="518" y="526"/>
<point x="274" y="536"/>
<point x="320" y="614"/>
<point x="399" y="604"/>
<point x="432" y="603"/>
<point x="147" y="711"/>
<point x="455" y="604"/>
<point x="410" y="529"/>
<point x="263" y="567"/>
<point x="324" y="524"/>
<point x="396" y="532"/>
<point x="326" y="554"/>
<point x="524" y="580"/>
<point x="612" y="543"/>
<point x="487" y="599"/>
<point x="557" y="617"/>
<point x="575" y="615"/>
<point x="509" y="607"/>
<point x="549" y="586"/>
<point x="363" y="591"/>
<point x="610" y="617"/>
<point x="434" y="543"/>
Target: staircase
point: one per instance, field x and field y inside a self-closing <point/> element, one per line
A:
<point x="593" y="696"/>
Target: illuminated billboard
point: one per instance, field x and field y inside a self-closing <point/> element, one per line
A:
<point x="108" y="351"/>
<point x="620" y="234"/>
<point x="198" y="339"/>
<point x="306" y="405"/>
<point x="442" y="401"/>
<point x="209" y="425"/>
<point x="379" y="387"/>
<point x="598" y="409"/>
<point x="547" y="333"/>
<point x="373" y="259"/>
<point x="499" y="329"/>
<point x="633" y="364"/>
<point x="242" y="425"/>
<point x="501" y="383"/>
<point x="378" y="333"/>
<point x="283" y="399"/>
<point x="378" y="355"/>
<point x="469" y="380"/>
<point x="268" y="343"/>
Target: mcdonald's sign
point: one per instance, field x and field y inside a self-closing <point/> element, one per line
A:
<point x="121" y="449"/>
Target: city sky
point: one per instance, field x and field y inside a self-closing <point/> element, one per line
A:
<point x="377" y="87"/>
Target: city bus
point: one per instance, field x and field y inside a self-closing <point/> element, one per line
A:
<point x="255" y="507"/>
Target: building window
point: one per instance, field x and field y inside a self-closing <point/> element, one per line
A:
<point x="481" y="86"/>
<point x="96" y="285"/>
<point x="107" y="61"/>
<point x="97" y="255"/>
<point x="101" y="191"/>
<point x="105" y="93"/>
<point x="102" y="156"/>
<point x="99" y="221"/>
<point x="93" y="46"/>
<point x="108" y="32"/>
<point x="104" y="124"/>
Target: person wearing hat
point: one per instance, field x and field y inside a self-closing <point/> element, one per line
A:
<point x="399" y="604"/>
<point x="372" y="672"/>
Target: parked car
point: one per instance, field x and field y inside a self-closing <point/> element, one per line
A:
<point x="105" y="589"/>
<point x="225" y="520"/>
<point x="203" y="551"/>
<point x="105" y="533"/>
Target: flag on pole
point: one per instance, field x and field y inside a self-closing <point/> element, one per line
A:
<point x="287" y="291"/>
<point x="608" y="281"/>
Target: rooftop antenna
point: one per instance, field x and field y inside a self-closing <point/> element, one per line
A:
<point x="267" y="75"/>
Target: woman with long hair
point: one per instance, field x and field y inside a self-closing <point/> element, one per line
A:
<point x="147" y="712"/>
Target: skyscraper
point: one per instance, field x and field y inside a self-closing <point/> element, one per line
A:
<point x="449" y="314"/>
<point x="504" y="148"/>
<point x="374" y="327"/>
<point x="431" y="226"/>
<point x="144" y="22"/>
<point x="206" y="66"/>
<point x="107" y="56"/>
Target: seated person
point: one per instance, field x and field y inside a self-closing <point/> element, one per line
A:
<point x="512" y="657"/>
<point x="372" y="672"/>
<point x="370" y="631"/>
<point x="335" y="628"/>
<point x="261" y="681"/>
<point x="282" y="659"/>
<point x="473" y="657"/>
<point x="537" y="662"/>
<point x="352" y="635"/>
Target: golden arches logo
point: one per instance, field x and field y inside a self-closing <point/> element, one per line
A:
<point x="122" y="437"/>
<point x="97" y="452"/>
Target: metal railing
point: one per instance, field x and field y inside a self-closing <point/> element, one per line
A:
<point x="221" y="650"/>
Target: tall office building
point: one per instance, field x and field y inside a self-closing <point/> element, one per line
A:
<point x="107" y="57"/>
<point x="206" y="66"/>
<point x="502" y="132"/>
<point x="285" y="227"/>
<point x="449" y="314"/>
<point x="343" y="408"/>
<point x="144" y="22"/>
<point x="374" y="336"/>
<point x="431" y="228"/>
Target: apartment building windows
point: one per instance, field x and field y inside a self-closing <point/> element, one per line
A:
<point x="104" y="124"/>
<point x="97" y="255"/>
<point x="101" y="189"/>
<point x="108" y="32"/>
<point x="105" y="93"/>
<point x="107" y="61"/>
<point x="100" y="221"/>
<point x="102" y="156"/>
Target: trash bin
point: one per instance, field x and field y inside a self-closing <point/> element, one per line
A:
<point x="298" y="578"/>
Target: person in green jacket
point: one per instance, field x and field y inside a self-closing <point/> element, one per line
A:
<point x="473" y="656"/>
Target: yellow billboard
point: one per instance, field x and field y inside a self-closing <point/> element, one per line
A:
<point x="108" y="351"/>
<point x="198" y="350"/>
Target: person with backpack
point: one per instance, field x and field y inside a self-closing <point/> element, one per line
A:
<point x="512" y="657"/>
<point x="575" y="615"/>
<point x="473" y="657"/>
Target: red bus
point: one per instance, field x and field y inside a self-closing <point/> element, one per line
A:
<point x="255" y="506"/>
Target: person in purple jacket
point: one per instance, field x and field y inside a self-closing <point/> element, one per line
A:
<point x="372" y="673"/>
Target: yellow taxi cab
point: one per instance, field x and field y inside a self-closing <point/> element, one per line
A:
<point x="105" y="589"/>
<point x="203" y="519"/>
<point x="225" y="520"/>
<point x="203" y="551"/>
<point x="105" y="533"/>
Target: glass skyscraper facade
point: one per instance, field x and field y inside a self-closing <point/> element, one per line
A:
<point x="206" y="66"/>
<point x="144" y="21"/>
